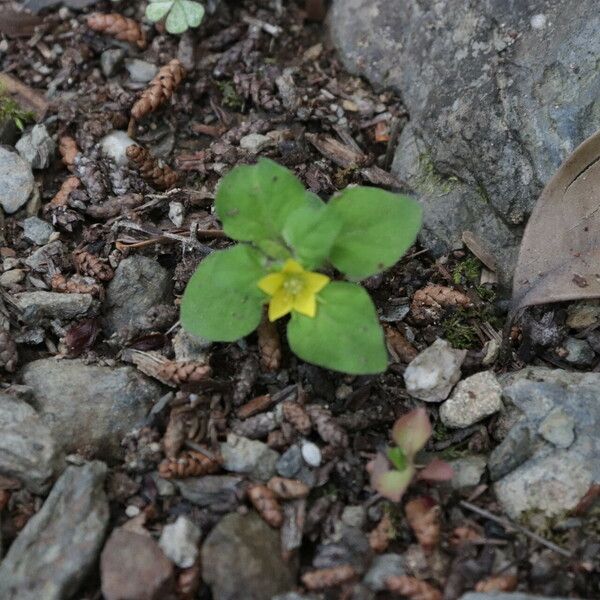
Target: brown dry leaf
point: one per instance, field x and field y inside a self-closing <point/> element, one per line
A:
<point x="560" y="251"/>
<point x="412" y="588"/>
<point x="62" y="196"/>
<point x="17" y="24"/>
<point x="255" y="406"/>
<point x="382" y="535"/>
<point x="288" y="489"/>
<point x="326" y="578"/>
<point x="269" y="345"/>
<point x="398" y="346"/>
<point x="423" y="516"/>
<point x="429" y="302"/>
<point x="498" y="583"/>
<point x="295" y="414"/>
<point x="266" y="504"/>
<point x="477" y="247"/>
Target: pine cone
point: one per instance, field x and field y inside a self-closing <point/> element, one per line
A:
<point x="161" y="88"/>
<point x="295" y="414"/>
<point x="162" y="178"/>
<point x="179" y="372"/>
<point x="327" y="426"/>
<point x="9" y="356"/>
<point x="412" y="588"/>
<point x="89" y="264"/>
<point x="119" y="27"/>
<point x="269" y="346"/>
<point x="190" y="464"/>
<point x="330" y="577"/>
<point x="68" y="150"/>
<point x="266" y="504"/>
<point x="71" y="286"/>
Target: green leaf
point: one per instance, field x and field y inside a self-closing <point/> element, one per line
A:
<point x="397" y="458"/>
<point x="377" y="229"/>
<point x="176" y="21"/>
<point x="412" y="431"/>
<point x="311" y="233"/>
<point x="345" y="334"/>
<point x="254" y="202"/>
<point x="194" y="12"/>
<point x="222" y="301"/>
<point x="155" y="11"/>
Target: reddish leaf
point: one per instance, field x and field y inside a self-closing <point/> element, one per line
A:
<point x="389" y="483"/>
<point x="81" y="336"/>
<point x="436" y="470"/>
<point x="412" y="431"/>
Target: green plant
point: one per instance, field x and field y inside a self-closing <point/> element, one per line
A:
<point x="180" y="14"/>
<point x="11" y="111"/>
<point x="287" y="234"/>
<point x="467" y="271"/>
<point x="392" y="472"/>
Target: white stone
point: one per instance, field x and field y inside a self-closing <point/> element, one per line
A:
<point x="180" y="542"/>
<point x="311" y="454"/>
<point x="254" y="142"/>
<point x="115" y="144"/>
<point x="176" y="213"/>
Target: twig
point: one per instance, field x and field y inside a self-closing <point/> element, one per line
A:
<point x="509" y="524"/>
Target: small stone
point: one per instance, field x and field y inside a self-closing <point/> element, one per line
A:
<point x="222" y="493"/>
<point x="290" y="462"/>
<point x="58" y="548"/>
<point x="558" y="428"/>
<point x="37" y="230"/>
<point x="514" y="450"/>
<point x="52" y="305"/>
<point x="140" y="71"/>
<point x="132" y="566"/>
<point x="474" y="398"/>
<point x="467" y="471"/>
<point x="254" y="142"/>
<point x="176" y="213"/>
<point x="582" y="315"/>
<point x="354" y="516"/>
<point x="27" y="449"/>
<point x="190" y="347"/>
<point x="165" y="487"/>
<point x="579" y="352"/>
<point x="311" y="454"/>
<point x="433" y="373"/>
<point x="11" y="278"/>
<point x="37" y="147"/>
<point x="132" y="511"/>
<point x="179" y="541"/>
<point x="383" y="567"/>
<point x="17" y="181"/>
<point x="251" y="457"/>
<point x="241" y="558"/>
<point x="115" y="144"/>
<point x="111" y="60"/>
<point x="39" y="259"/>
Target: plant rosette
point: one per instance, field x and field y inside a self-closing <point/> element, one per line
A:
<point x="179" y="15"/>
<point x="287" y="236"/>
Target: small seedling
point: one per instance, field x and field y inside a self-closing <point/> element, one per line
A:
<point x="393" y="472"/>
<point x="11" y="111"/>
<point x="288" y="234"/>
<point x="180" y="14"/>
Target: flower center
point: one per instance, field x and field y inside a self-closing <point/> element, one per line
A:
<point x="293" y="284"/>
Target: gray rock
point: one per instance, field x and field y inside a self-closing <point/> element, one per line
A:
<point x="251" y="457"/>
<point x="467" y="471"/>
<point x="290" y="462"/>
<point x="505" y="596"/>
<point x="433" y="373"/>
<point x="27" y="450"/>
<point x="581" y="315"/>
<point x="255" y="142"/>
<point x="11" y="278"/>
<point x="179" y="541"/>
<point x="88" y="408"/>
<point x="384" y="566"/>
<point x="552" y="480"/>
<point x="37" y="5"/>
<point x="512" y="107"/>
<point x="354" y="516"/>
<point x="60" y="544"/>
<point x="111" y="60"/>
<point x="40" y="258"/>
<point x="52" y="305"/>
<point x="37" y="230"/>
<point x="139" y="284"/>
<point x="17" y="181"/>
<point x="474" y="398"/>
<point x="579" y="352"/>
<point x="37" y="147"/>
<point x="222" y="493"/>
<point x="515" y="449"/>
<point x="190" y="347"/>
<point x="114" y="145"/>
<point x="247" y="546"/>
<point x="140" y="71"/>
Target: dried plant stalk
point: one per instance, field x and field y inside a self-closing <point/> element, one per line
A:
<point x="160" y="177"/>
<point x="120" y="27"/>
<point x="161" y="88"/>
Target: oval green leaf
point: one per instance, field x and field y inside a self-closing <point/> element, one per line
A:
<point x="176" y="21"/>
<point x="194" y="12"/>
<point x="378" y="227"/>
<point x="254" y="202"/>
<point x="344" y="335"/>
<point x="222" y="301"/>
<point x="155" y="11"/>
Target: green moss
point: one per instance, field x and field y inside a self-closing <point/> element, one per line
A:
<point x="459" y="332"/>
<point x="10" y="110"/>
<point x="231" y="99"/>
<point x="467" y="271"/>
<point x="430" y="181"/>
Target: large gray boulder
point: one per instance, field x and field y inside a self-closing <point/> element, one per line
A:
<point x="499" y="93"/>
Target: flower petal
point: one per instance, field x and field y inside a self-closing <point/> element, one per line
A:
<point x="314" y="282"/>
<point x="306" y="303"/>
<point x="271" y="283"/>
<point x="281" y="304"/>
<point x="292" y="266"/>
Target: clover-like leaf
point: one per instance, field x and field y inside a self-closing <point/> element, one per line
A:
<point x="378" y="227"/>
<point x="412" y="431"/>
<point x="222" y="301"/>
<point x="158" y="9"/>
<point x="344" y="335"/>
<point x="177" y="20"/>
<point x="194" y="12"/>
<point x="254" y="202"/>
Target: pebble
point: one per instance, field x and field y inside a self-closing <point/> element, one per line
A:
<point x="179" y="541"/>
<point x="354" y="516"/>
<point x="434" y="372"/>
<point x="17" y="181"/>
<point x="255" y="142"/>
<point x="241" y="558"/>
<point x="11" y="278"/>
<point x="114" y="145"/>
<point x="474" y="398"/>
<point x="133" y="567"/>
<point x="58" y="548"/>
<point x="37" y="230"/>
<point x="190" y="347"/>
<point x="27" y="449"/>
<point x="111" y="60"/>
<point x="37" y="147"/>
<point x="579" y="352"/>
<point x="467" y="471"/>
<point x="176" y="213"/>
<point x="251" y="457"/>
<point x="52" y="305"/>
<point x="581" y="315"/>
<point x="383" y="567"/>
<point x="140" y="71"/>
<point x="558" y="428"/>
<point x="89" y="408"/>
<point x="222" y="493"/>
<point x="311" y="454"/>
<point x="132" y="511"/>
<point x="290" y="462"/>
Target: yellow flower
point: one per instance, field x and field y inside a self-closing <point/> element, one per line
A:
<point x="292" y="288"/>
